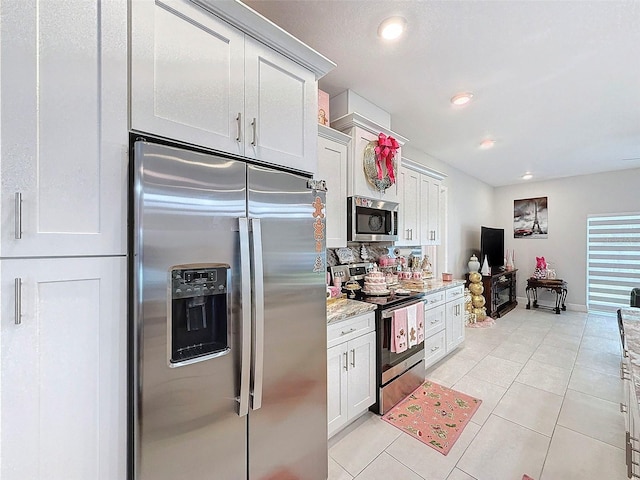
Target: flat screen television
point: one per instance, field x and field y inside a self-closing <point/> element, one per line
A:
<point x="492" y="245"/>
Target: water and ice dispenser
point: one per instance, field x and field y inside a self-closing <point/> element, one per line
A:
<point x="199" y="322"/>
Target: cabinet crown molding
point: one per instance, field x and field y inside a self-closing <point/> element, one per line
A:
<point x="418" y="167"/>
<point x="356" y="120"/>
<point x="332" y="134"/>
<point x="265" y="31"/>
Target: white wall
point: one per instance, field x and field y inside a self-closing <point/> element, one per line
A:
<point x="571" y="200"/>
<point x="470" y="205"/>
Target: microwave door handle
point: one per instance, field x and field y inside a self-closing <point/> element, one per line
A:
<point x="257" y="368"/>
<point x="245" y="313"/>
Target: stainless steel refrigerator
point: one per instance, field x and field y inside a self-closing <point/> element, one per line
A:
<point x="228" y="327"/>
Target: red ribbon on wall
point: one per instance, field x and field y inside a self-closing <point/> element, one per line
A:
<point x="385" y="151"/>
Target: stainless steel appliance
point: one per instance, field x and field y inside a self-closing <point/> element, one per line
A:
<point x="397" y="374"/>
<point x="228" y="330"/>
<point x="371" y="220"/>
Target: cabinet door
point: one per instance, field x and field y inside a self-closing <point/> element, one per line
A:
<point x="434" y="213"/>
<point x="187" y="75"/>
<point x="337" y="406"/>
<point x="409" y="224"/>
<point x="362" y="373"/>
<point x="281" y="109"/>
<point x="455" y="323"/>
<point x="63" y="385"/>
<point x="63" y="118"/>
<point x="332" y="167"/>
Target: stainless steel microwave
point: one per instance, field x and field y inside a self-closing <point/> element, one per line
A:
<point x="371" y="220"/>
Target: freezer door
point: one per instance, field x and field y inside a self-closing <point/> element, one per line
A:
<point x="186" y="209"/>
<point x="288" y="419"/>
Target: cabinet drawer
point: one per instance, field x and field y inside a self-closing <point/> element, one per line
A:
<point x="454" y="293"/>
<point x="434" y="299"/>
<point x="350" y="328"/>
<point x="434" y="348"/>
<point x="434" y="320"/>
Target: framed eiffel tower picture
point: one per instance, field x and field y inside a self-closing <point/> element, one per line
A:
<point x="530" y="218"/>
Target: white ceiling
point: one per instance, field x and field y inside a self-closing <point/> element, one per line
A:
<point x="555" y="83"/>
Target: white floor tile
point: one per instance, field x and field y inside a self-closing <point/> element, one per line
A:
<point x="489" y="393"/>
<point x="458" y="474"/>
<point x="592" y="416"/>
<point x="355" y="451"/>
<point x="504" y="450"/>
<point x="451" y="369"/>
<point x="561" y="340"/>
<point x="475" y="350"/>
<point x="552" y="355"/>
<point x="336" y="472"/>
<point x="496" y="370"/>
<point x="605" y="345"/>
<point x="385" y="467"/>
<point x="567" y="329"/>
<point x="530" y="407"/>
<point x="573" y="456"/>
<point x="595" y="360"/>
<point x="516" y="352"/>
<point x="598" y="384"/>
<point x="544" y="376"/>
<point x="426" y="461"/>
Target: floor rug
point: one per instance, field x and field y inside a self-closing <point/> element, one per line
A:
<point x="434" y="414"/>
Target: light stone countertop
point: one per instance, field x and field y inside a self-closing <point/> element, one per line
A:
<point x="343" y="308"/>
<point x="631" y="326"/>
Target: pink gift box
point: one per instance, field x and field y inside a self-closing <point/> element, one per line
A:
<point x="323" y="108"/>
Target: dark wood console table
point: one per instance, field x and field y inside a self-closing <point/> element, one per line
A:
<point x="556" y="285"/>
<point x="499" y="292"/>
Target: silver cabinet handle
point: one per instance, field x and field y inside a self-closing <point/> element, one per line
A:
<point x="624" y="373"/>
<point x="239" y="120"/>
<point x="245" y="361"/>
<point x="353" y="357"/>
<point x="18" y="300"/>
<point x="623" y="408"/>
<point x="258" y="316"/>
<point x="254" y="142"/>
<point x="348" y="331"/>
<point x="433" y="349"/>
<point x="18" y="213"/>
<point x="346" y="361"/>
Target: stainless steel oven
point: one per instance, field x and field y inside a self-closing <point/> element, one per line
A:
<point x="398" y="374"/>
<point x="371" y="220"/>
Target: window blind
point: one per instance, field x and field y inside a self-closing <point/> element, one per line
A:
<point x="613" y="260"/>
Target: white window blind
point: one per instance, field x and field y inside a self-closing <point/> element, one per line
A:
<point x="613" y="260"/>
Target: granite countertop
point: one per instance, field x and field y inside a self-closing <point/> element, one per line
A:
<point x="432" y="286"/>
<point x="631" y="326"/>
<point x="343" y="308"/>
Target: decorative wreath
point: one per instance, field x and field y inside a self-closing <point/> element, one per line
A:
<point x="380" y="162"/>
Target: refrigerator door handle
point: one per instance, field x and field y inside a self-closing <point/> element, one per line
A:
<point x="245" y="272"/>
<point x="258" y="316"/>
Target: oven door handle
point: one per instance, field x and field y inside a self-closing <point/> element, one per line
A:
<point x="389" y="313"/>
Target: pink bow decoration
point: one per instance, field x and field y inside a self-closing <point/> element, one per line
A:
<point x="385" y="151"/>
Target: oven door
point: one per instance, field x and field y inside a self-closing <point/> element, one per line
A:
<point x="392" y="364"/>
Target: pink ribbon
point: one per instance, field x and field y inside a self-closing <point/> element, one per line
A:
<point x="385" y="151"/>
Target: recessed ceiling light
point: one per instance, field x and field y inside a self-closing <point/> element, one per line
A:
<point x="461" y="98"/>
<point x="487" y="143"/>
<point x="392" y="28"/>
<point x="527" y="176"/>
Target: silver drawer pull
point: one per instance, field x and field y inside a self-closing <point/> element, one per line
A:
<point x="435" y="348"/>
<point x="18" y="214"/>
<point x="348" y="331"/>
<point x="18" y="301"/>
<point x="623" y="408"/>
<point x="434" y="321"/>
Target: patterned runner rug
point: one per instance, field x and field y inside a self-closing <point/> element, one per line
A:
<point x="434" y="414"/>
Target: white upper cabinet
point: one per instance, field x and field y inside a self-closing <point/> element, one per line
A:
<point x="64" y="142"/>
<point x="332" y="167"/>
<point x="363" y="132"/>
<point x="198" y="79"/>
<point x="409" y="225"/>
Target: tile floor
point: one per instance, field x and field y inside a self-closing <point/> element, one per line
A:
<point x="550" y="388"/>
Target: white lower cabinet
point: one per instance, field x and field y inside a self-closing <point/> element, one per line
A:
<point x="351" y="370"/>
<point x="455" y="316"/>
<point x="443" y="323"/>
<point x="63" y="353"/>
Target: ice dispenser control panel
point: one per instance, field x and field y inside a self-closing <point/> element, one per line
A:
<point x="199" y="320"/>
